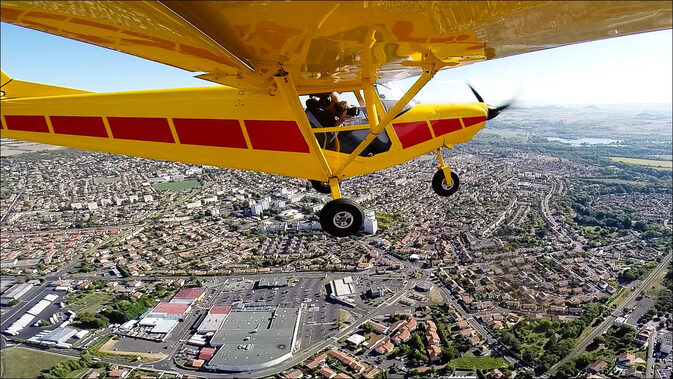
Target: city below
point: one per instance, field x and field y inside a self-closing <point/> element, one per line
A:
<point x="553" y="260"/>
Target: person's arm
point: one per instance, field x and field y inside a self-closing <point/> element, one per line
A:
<point x="343" y="116"/>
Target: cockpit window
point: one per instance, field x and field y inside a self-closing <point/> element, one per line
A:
<point x="390" y="93"/>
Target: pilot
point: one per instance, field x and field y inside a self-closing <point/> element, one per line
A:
<point x="325" y="110"/>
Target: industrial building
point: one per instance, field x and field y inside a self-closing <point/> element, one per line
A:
<point x="342" y="290"/>
<point x="58" y="337"/>
<point x="161" y="320"/>
<point x="253" y="339"/>
<point x="27" y="318"/>
<point x="214" y="319"/>
<point x="15" y="292"/>
<point x="188" y="296"/>
<point x="271" y="282"/>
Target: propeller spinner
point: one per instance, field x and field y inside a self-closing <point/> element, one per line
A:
<point x="492" y="112"/>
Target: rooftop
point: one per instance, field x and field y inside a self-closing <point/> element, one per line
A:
<point x="171" y="308"/>
<point x="189" y="293"/>
<point x="254" y="339"/>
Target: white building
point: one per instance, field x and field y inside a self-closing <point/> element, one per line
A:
<point x="369" y="224"/>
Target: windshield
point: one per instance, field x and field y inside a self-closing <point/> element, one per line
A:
<point x="390" y="93"/>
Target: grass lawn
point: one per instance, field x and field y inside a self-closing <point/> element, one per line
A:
<point x="344" y="317"/>
<point x="177" y="186"/>
<point x="90" y="302"/>
<point x="619" y="297"/>
<point x="28" y="363"/>
<point x="657" y="285"/>
<point x="643" y="162"/>
<point x="79" y="373"/>
<point x="473" y="363"/>
<point x="435" y="295"/>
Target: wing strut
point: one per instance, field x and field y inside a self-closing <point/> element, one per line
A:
<point x="289" y="92"/>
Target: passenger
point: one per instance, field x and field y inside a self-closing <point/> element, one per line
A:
<point x="327" y="111"/>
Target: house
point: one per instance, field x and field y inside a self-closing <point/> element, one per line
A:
<point x="294" y="374"/>
<point x="117" y="374"/>
<point x="435" y="353"/>
<point x="482" y="351"/>
<point x="327" y="372"/>
<point x="597" y="367"/>
<point x="385" y="347"/>
<point x="496" y="374"/>
<point x="316" y="361"/>
<point x="626" y="359"/>
<point x="462" y="324"/>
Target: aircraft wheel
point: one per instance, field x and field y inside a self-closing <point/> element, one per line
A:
<point x="341" y="218"/>
<point x="322" y="187"/>
<point x="439" y="184"/>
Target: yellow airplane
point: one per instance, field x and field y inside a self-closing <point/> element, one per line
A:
<point x="266" y="54"/>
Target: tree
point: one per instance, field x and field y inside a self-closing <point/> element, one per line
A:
<point x="93" y="321"/>
<point x="449" y="353"/>
<point x="567" y="370"/>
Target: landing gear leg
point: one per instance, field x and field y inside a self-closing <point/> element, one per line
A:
<point x="445" y="182"/>
<point x="340" y="217"/>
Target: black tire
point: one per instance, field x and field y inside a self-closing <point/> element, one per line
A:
<point x="341" y="218"/>
<point x="321" y="187"/>
<point x="439" y="184"/>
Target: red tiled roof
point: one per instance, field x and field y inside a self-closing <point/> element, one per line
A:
<point x="171" y="308"/>
<point x="189" y="293"/>
<point x="206" y="353"/>
<point x="296" y="373"/>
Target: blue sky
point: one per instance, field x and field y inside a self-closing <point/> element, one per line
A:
<point x="629" y="69"/>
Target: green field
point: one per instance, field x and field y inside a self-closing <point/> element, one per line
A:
<point x="473" y="363"/>
<point x="643" y="162"/>
<point x="89" y="302"/>
<point x="177" y="186"/>
<point x="28" y="363"/>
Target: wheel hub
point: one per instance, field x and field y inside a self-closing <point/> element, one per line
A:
<point x="446" y="186"/>
<point x="343" y="219"/>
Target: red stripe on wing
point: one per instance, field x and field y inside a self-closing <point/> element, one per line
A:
<point x="79" y="126"/>
<point x="141" y="129"/>
<point x="442" y="127"/>
<point x="27" y="123"/>
<point x="469" y="121"/>
<point x="412" y="133"/>
<point x="206" y="132"/>
<point x="276" y="136"/>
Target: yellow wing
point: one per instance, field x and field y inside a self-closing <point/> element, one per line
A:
<point x="330" y="44"/>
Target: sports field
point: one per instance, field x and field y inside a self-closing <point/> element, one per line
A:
<point x="177" y="186"/>
<point x="643" y="162"/>
<point x="15" y="359"/>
